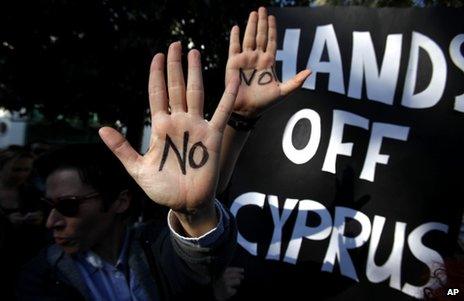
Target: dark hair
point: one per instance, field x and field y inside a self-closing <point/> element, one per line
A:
<point x="14" y="153"/>
<point x="10" y="156"/>
<point x="97" y="166"/>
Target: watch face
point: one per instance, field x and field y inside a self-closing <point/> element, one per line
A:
<point x="3" y="128"/>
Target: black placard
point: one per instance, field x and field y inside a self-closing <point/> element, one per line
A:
<point x="322" y="218"/>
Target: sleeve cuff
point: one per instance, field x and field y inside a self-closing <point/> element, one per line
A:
<point x="207" y="239"/>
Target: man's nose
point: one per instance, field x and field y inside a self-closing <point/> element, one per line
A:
<point x="55" y="220"/>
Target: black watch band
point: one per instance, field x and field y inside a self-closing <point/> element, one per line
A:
<point x="241" y="123"/>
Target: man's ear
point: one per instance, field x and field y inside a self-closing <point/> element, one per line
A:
<point x="122" y="202"/>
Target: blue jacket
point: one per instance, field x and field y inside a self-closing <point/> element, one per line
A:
<point x="166" y="268"/>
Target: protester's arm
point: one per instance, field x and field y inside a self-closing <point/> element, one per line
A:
<point x="259" y="89"/>
<point x="180" y="170"/>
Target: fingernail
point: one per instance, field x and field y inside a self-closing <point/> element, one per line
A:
<point x="173" y="44"/>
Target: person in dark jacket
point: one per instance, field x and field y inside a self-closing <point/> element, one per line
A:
<point x="180" y="171"/>
<point x="97" y="255"/>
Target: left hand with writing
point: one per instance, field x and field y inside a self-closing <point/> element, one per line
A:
<point x="181" y="168"/>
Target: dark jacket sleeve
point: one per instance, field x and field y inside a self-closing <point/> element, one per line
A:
<point x="38" y="281"/>
<point x="186" y="270"/>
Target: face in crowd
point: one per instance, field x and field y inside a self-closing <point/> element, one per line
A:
<point x="79" y="219"/>
<point x="17" y="170"/>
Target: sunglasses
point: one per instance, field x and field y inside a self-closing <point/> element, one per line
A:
<point x="68" y="205"/>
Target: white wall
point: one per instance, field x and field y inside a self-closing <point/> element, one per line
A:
<point x="15" y="129"/>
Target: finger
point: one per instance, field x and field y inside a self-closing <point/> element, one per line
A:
<point x="195" y="92"/>
<point x="294" y="83"/>
<point x="120" y="147"/>
<point x="176" y="84"/>
<point x="157" y="94"/>
<point x="271" y="36"/>
<point x="234" y="42"/>
<point x="250" y="32"/>
<point x="261" y="36"/>
<point x="224" y="108"/>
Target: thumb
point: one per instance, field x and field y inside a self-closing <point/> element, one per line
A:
<point x="120" y="147"/>
<point x="294" y="83"/>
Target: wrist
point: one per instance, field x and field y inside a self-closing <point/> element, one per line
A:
<point x="241" y="122"/>
<point x="196" y="222"/>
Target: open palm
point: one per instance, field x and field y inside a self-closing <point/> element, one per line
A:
<point x="259" y="88"/>
<point x="180" y="169"/>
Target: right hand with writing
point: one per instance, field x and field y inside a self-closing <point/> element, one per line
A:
<point x="259" y="89"/>
<point x="180" y="169"/>
<point x="255" y="60"/>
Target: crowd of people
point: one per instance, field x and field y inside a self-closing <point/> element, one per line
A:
<point x="74" y="218"/>
<point x="103" y="222"/>
<point x="25" y="213"/>
<point x="22" y="233"/>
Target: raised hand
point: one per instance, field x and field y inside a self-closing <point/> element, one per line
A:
<point x="255" y="60"/>
<point x="180" y="169"/>
<point x="259" y="89"/>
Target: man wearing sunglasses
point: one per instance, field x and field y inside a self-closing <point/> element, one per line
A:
<point x="69" y="206"/>
<point x="96" y="255"/>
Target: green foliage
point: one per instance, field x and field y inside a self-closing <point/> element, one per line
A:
<point x="76" y="59"/>
<point x="72" y="57"/>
